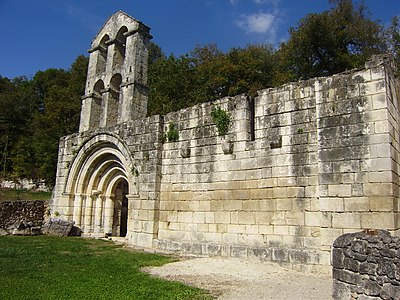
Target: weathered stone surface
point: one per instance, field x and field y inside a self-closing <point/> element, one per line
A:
<point x="3" y="232"/>
<point x="58" y="227"/>
<point x="374" y="278"/>
<point x="290" y="176"/>
<point x="22" y="212"/>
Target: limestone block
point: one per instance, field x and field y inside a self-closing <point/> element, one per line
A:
<point x="263" y="218"/>
<point x="331" y="204"/>
<point x="232" y="205"/>
<point x="252" y="229"/>
<point x="381" y="220"/>
<point x="185" y="217"/>
<point x="280" y="193"/>
<point x="287" y="181"/>
<point x="378" y="189"/>
<point x="339" y="190"/>
<point x="346" y="220"/>
<point x="265" y="229"/>
<point x="251" y="205"/>
<point x="329" y="235"/>
<point x="199" y="217"/>
<point x="261" y="193"/>
<point x="236" y="228"/>
<point x="311" y="191"/>
<point x="292" y="192"/>
<point x="285" y="204"/>
<point x="356" y="204"/>
<point x="249" y="184"/>
<point x="246" y="217"/>
<point x="281" y="171"/>
<point x="281" y="230"/>
<point x="381" y="126"/>
<point x="222" y="217"/>
<point x="382" y="203"/>
<point x="312" y="218"/>
<point x="210" y="217"/>
<point x="295" y="218"/>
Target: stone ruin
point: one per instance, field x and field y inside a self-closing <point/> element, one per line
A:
<point x="300" y="165"/>
<point x="366" y="266"/>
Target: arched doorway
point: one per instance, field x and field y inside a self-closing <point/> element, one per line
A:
<point x="120" y="219"/>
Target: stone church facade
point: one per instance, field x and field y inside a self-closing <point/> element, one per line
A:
<point x="300" y="164"/>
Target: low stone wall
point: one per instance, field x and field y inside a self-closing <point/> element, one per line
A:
<point x="366" y="265"/>
<point x="14" y="212"/>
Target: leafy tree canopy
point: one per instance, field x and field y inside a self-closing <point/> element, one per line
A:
<point x="341" y="38"/>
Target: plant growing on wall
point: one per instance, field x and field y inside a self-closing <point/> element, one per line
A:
<point x="172" y="134"/>
<point x="222" y="120"/>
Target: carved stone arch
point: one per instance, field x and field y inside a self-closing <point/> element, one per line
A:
<point x="100" y="206"/>
<point x="92" y="149"/>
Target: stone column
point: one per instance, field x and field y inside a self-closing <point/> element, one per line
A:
<point x="78" y="210"/>
<point x="88" y="214"/>
<point x="98" y="212"/>
<point x="108" y="215"/>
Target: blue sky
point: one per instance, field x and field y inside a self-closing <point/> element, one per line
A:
<point x="41" y="34"/>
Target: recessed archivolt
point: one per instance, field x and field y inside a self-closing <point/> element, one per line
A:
<point x="98" y="180"/>
<point x="99" y="160"/>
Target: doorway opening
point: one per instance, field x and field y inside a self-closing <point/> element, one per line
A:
<point x="120" y="221"/>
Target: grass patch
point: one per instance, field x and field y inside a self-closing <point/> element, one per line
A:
<point x="15" y="194"/>
<point x="44" y="267"/>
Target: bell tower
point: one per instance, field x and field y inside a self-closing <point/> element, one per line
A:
<point x="116" y="86"/>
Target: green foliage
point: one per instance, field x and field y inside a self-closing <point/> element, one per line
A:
<point x="34" y="114"/>
<point x="394" y="41"/>
<point x="208" y="74"/>
<point x="330" y="42"/>
<point x="222" y="120"/>
<point x="45" y="267"/>
<point x="172" y="134"/>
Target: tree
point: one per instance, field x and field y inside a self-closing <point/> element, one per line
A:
<point x="330" y="42"/>
<point x="61" y="93"/>
<point x="172" y="84"/>
<point x="394" y="41"/>
<point x="17" y="103"/>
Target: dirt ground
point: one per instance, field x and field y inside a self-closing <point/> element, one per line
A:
<point x="236" y="279"/>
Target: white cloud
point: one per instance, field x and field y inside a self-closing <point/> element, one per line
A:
<point x="257" y="23"/>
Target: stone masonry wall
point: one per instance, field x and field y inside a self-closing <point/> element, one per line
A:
<point x="366" y="265"/>
<point x="323" y="162"/>
<point x="301" y="165"/>
<point x="13" y="212"/>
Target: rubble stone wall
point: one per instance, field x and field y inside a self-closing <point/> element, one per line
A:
<point x="366" y="266"/>
<point x="14" y="212"/>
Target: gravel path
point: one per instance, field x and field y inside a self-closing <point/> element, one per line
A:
<point x="236" y="279"/>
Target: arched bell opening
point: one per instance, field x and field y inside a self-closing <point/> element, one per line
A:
<point x="113" y="100"/>
<point x="120" y="48"/>
<point x="102" y="55"/>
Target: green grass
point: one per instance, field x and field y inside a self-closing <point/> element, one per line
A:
<point x="44" y="267"/>
<point x="12" y="195"/>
